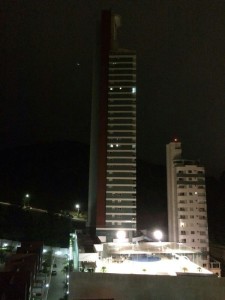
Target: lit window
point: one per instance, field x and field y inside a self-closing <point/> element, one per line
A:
<point x="133" y="90"/>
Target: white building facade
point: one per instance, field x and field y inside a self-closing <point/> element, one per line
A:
<point x="186" y="198"/>
<point x="121" y="142"/>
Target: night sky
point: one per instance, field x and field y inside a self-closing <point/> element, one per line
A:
<point x="46" y="72"/>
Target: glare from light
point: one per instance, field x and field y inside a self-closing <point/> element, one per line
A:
<point x="158" y="235"/>
<point x="58" y="252"/>
<point x="5" y="245"/>
<point x="47" y="285"/>
<point x="121" y="235"/>
<point x="27" y="195"/>
<point x="44" y="250"/>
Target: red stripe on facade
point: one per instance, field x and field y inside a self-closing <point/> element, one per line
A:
<point x="102" y="138"/>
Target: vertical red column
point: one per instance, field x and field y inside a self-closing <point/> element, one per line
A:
<point x="103" y="102"/>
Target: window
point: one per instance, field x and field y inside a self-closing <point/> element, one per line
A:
<point x="193" y="240"/>
<point x="183" y="232"/>
<point x="183" y="240"/>
<point x="181" y="194"/>
<point x="183" y="201"/>
<point x="192" y="217"/>
<point x="181" y="209"/>
<point x="183" y="217"/>
<point x="192" y="232"/>
<point x="200" y="187"/>
<point x="201" y="209"/>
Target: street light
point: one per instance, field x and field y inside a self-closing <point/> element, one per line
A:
<point x="78" y="208"/>
<point x="158" y="235"/>
<point x="121" y="235"/>
<point x="26" y="201"/>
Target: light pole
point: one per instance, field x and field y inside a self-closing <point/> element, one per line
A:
<point x="78" y="208"/>
<point x="121" y="235"/>
<point x="158" y="235"/>
<point x="26" y="201"/>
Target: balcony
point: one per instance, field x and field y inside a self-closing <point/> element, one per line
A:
<point x="121" y="167"/>
<point x="121" y="188"/>
<point x="117" y="198"/>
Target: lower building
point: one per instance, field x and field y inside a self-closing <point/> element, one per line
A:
<point x="187" y="207"/>
<point x="131" y="271"/>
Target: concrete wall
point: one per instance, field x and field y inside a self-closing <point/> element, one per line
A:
<point x="144" y="287"/>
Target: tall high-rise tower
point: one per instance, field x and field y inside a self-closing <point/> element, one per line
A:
<point x="186" y="194"/>
<point x="112" y="182"/>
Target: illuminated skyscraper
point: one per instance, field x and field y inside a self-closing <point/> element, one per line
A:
<point x="187" y="208"/>
<point x="112" y="182"/>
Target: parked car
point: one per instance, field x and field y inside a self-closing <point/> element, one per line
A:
<point x="54" y="273"/>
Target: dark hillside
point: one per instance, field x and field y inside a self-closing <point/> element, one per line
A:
<point x="54" y="174"/>
<point x="56" y="177"/>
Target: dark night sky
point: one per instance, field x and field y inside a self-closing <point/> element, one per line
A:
<point x="46" y="75"/>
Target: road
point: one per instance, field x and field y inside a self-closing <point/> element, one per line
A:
<point x="57" y="282"/>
